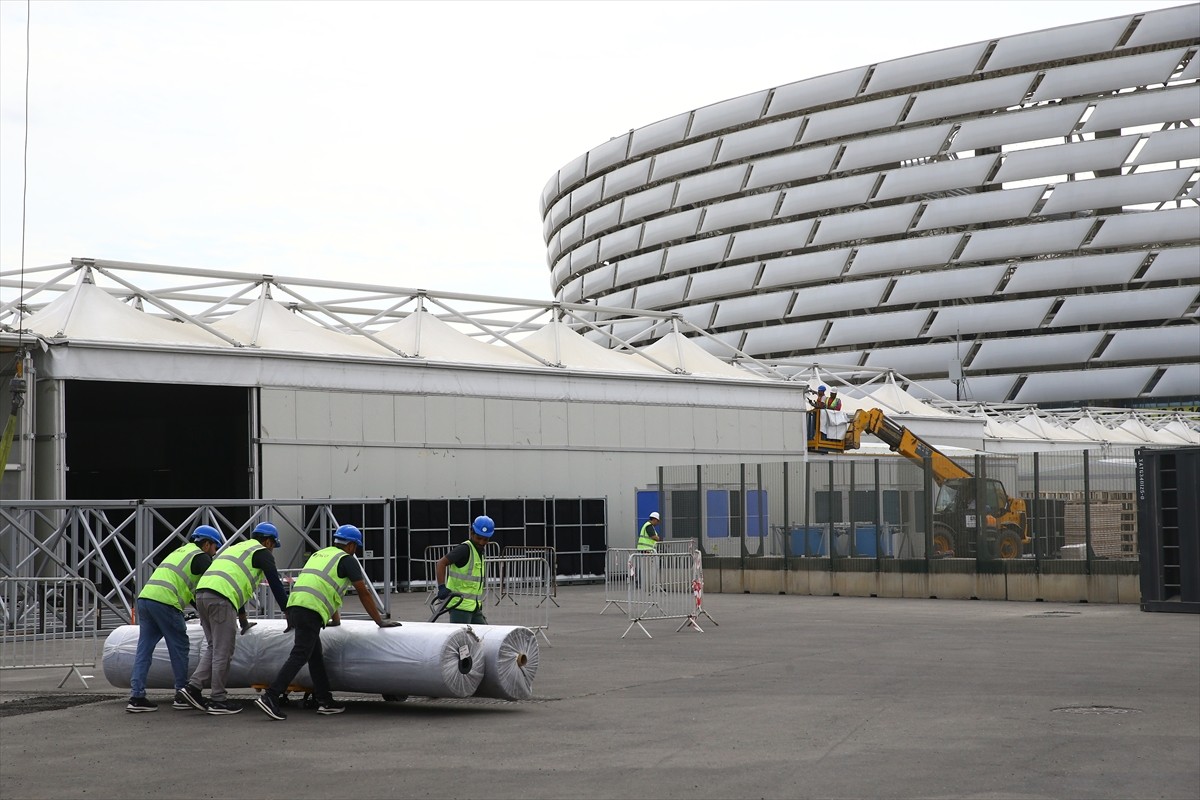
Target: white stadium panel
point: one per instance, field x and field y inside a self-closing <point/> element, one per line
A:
<point x="602" y="219"/>
<point x="1064" y="348"/>
<point x="872" y="328"/>
<point x="639" y="267"/>
<point x="572" y="292"/>
<point x="619" y="299"/>
<point x="587" y="195"/>
<point x="823" y="195"/>
<point x="584" y="256"/>
<point x="611" y="152"/>
<point x="1017" y="126"/>
<point x="1119" y="190"/>
<point x="1057" y="43"/>
<point x="783" y="338"/>
<point x="659" y="134"/>
<point x="573" y="173"/>
<point x="1129" y="306"/>
<point x="759" y="139"/>
<point x="1144" y="108"/>
<point x="755" y="308"/>
<point x="708" y="185"/>
<point x="805" y="268"/>
<point x="770" y="239"/>
<point x="722" y="282"/>
<point x="914" y="251"/>
<point x="1077" y="385"/>
<point x="1074" y="273"/>
<point x="865" y="224"/>
<point x="946" y="284"/>
<point x="1178" y="341"/>
<point x="1066" y="159"/>
<point x="549" y="192"/>
<point x="620" y="242"/>
<point x="728" y="113"/>
<point x="1169" y="225"/>
<point x="560" y="211"/>
<point x="1034" y="238"/>
<point x="984" y="207"/>
<point x="627" y="177"/>
<point x="700" y="316"/>
<point x="1166" y="25"/>
<point x="1175" y="263"/>
<point x="915" y="359"/>
<point x="1190" y="73"/>
<point x="834" y="297"/>
<point x="792" y="167"/>
<point x="1177" y="144"/>
<point x="697" y="253"/>
<point x="936" y="177"/>
<point x="683" y="159"/>
<point x="560" y="270"/>
<point x="743" y="211"/>
<point x="966" y="98"/>
<point x="662" y="294"/>
<point x="1012" y="315"/>
<point x="939" y="65"/>
<point x="572" y="233"/>
<point x="675" y="226"/>
<point x="993" y="388"/>
<point x="1179" y="380"/>
<point x="854" y="119"/>
<point x="890" y="148"/>
<point x="816" y="91"/>
<point x="599" y="281"/>
<point x="648" y="202"/>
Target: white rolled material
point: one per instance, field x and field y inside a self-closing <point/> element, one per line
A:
<point x="415" y="659"/>
<point x="510" y="661"/>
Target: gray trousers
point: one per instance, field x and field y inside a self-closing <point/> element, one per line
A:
<point x="219" y="620"/>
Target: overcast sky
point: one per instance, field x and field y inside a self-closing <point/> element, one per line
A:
<point x="402" y="143"/>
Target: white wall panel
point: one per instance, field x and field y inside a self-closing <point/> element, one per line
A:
<point x="659" y="134"/>
<point x="675" y="226"/>
<point x="853" y="119"/>
<point x="1014" y="315"/>
<point x="584" y="256"/>
<point x="816" y="91"/>
<point x="1066" y="159"/>
<point x="1166" y="25"/>
<point x="1144" y="108"/>
<point x="994" y="388"/>
<point x="1170" y="225"/>
<point x="638" y="267"/>
<point x="1175" y="263"/>
<point x="1180" y="380"/>
<point x="549" y="193"/>
<point x="937" y="177"/>
<point x="697" y="253"/>
<point x="618" y="299"/>
<point x="759" y="139"/>
<point x="770" y="239"/>
<point x="1057" y="43"/>
<point x="625" y="178"/>
<point x="1177" y="144"/>
<point x="724" y="281"/>
<point x="740" y="310"/>
<point x="662" y="294"/>
<point x="804" y="268"/>
<point x="1093" y="384"/>
<point x="985" y="207"/>
<point x="828" y="194"/>
<point x="792" y="167"/>
<point x="572" y="292"/>
<point x="1035" y="238"/>
<point x="1063" y="348"/>
<point x="587" y="195"/>
<point x="946" y="284"/>
<point x="560" y="211"/>
<point x="1189" y="73"/>
<point x="603" y="156"/>
<point x="699" y="315"/>
<point x="1102" y="76"/>
<point x="648" y="202"/>
<point x="914" y="359"/>
<point x="599" y="280"/>
<point x="1074" y="273"/>
<point x="874" y="328"/>
<point x="1017" y="126"/>
<point x="783" y="338"/>
<point x="728" y="113"/>
<point x="620" y="242"/>
<point x="890" y="148"/>
<point x="1113" y="307"/>
<point x="573" y="173"/>
<point x="1143" y="187"/>
<point x="915" y="251"/>
<point x="601" y="219"/>
<point x="743" y="211"/>
<point x="1154" y="344"/>
<point x="711" y="184"/>
<point x="966" y="98"/>
<point x="865" y="224"/>
<point x="571" y="233"/>
<point x="834" y="297"/>
<point x="683" y="159"/>
<point x="926" y="67"/>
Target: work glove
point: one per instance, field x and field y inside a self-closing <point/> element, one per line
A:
<point x="247" y="625"/>
<point x="389" y="623"/>
<point x="442" y="592"/>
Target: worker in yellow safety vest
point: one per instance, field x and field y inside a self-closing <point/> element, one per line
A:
<point x="160" y="614"/>
<point x="648" y="537"/>
<point x="467" y="577"/>
<point x="314" y="603"/>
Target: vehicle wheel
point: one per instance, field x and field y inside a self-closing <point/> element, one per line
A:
<point x="943" y="541"/>
<point x="1009" y="544"/>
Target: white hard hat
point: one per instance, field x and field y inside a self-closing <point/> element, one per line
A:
<point x="654" y="515"/>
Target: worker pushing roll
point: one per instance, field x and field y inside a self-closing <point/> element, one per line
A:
<point x="468" y="575"/>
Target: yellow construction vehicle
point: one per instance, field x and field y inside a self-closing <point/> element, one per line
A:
<point x="1004" y="529"/>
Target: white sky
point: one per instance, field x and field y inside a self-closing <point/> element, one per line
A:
<point x="403" y="143"/>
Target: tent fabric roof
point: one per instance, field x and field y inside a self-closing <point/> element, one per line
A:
<point x="558" y="344"/>
<point x="679" y="352"/>
<point x="1102" y="433"/>
<point x="424" y="335"/>
<point x="268" y="325"/>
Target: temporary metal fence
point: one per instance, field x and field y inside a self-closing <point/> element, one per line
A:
<point x="491" y="579"/>
<point x="664" y="586"/>
<point x="525" y="597"/>
<point x="538" y="552"/>
<point x="47" y="623"/>
<point x="616" y="578"/>
<point x="676" y="546"/>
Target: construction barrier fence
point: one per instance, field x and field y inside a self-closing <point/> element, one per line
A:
<point x="664" y="586"/>
<point x="47" y="623"/>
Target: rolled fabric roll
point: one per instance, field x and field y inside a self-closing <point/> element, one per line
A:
<point x="509" y="655"/>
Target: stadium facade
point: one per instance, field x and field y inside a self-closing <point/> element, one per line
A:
<point x="1013" y="220"/>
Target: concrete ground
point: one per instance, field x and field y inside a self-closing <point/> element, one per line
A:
<point x="788" y="697"/>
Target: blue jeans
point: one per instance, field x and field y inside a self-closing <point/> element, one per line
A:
<point x="159" y="621"/>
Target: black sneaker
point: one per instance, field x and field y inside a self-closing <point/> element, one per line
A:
<point x="330" y="706"/>
<point x="193" y="697"/>
<point x="223" y="707"/>
<point x="269" y="705"/>
<point x="139" y="704"/>
<point x="181" y="701"/>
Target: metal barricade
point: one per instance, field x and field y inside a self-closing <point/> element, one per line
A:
<point x="664" y="586"/>
<point x="262" y="605"/>
<point x="491" y="579"/>
<point x="677" y="546"/>
<point x="616" y="577"/>
<point x="521" y="551"/>
<point x="49" y="622"/>
<point x="525" y="593"/>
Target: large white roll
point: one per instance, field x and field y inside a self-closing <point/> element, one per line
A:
<point x="415" y="659"/>
<point x="510" y="661"/>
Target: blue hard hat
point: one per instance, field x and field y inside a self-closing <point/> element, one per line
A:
<point x="210" y="533"/>
<point x="483" y="526"/>
<point x="348" y="533"/>
<point x="265" y="530"/>
<point x="822" y="388"/>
